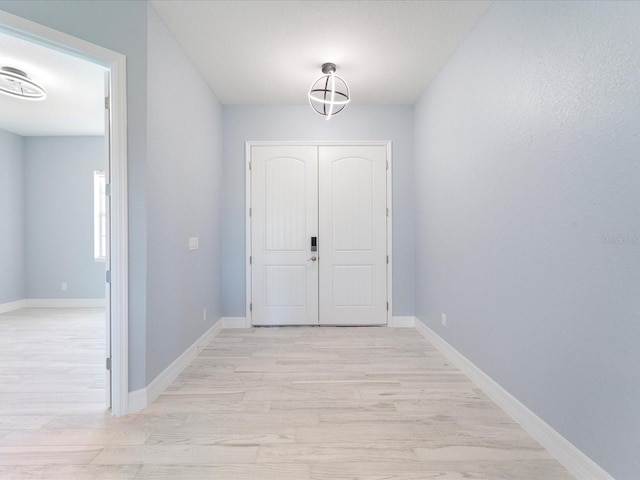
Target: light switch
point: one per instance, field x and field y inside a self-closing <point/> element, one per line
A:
<point x="193" y="243"/>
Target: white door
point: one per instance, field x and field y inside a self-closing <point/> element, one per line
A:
<point x="107" y="258"/>
<point x="318" y="235"/>
<point x="284" y="217"/>
<point x="353" y="235"/>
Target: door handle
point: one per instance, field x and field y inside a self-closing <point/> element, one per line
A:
<point x="313" y="259"/>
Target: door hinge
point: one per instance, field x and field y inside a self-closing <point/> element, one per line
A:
<point x="107" y="189"/>
<point x="249" y="164"/>
<point x="109" y="363"/>
<point x="387" y="164"/>
<point x="251" y="307"/>
<point x="250" y="259"/>
<point x="387" y="259"/>
<point x="108" y="276"/>
<point x="107" y="103"/>
<point x="387" y="211"/>
<point x="250" y="211"/>
<point x="387" y="306"/>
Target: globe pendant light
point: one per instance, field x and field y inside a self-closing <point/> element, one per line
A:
<point x="16" y="83"/>
<point x="330" y="93"/>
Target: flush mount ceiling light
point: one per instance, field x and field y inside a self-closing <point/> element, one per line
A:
<point x="16" y="83"/>
<point x="330" y="93"/>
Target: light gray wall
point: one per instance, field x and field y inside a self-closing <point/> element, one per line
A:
<point x="527" y="181"/>
<point x="300" y="123"/>
<point x="12" y="251"/>
<point x="184" y="175"/>
<point x="122" y="27"/>
<point x="59" y="216"/>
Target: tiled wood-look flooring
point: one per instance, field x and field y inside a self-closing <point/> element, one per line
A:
<point x="274" y="403"/>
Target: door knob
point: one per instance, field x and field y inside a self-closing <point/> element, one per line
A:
<point x="313" y="259"/>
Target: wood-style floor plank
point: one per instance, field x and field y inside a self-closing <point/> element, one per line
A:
<point x="70" y="472"/>
<point x="295" y="403"/>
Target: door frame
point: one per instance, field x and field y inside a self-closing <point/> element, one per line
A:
<point x="247" y="213"/>
<point x="115" y="63"/>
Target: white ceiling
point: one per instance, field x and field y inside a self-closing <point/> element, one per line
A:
<point x="259" y="52"/>
<point x="75" y="92"/>
<point x="267" y="52"/>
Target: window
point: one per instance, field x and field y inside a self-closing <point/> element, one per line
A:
<point x="99" y="217"/>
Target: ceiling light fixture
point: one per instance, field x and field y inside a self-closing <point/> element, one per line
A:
<point x="330" y="93"/>
<point x="16" y="83"/>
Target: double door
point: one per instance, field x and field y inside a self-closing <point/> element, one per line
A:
<point x="318" y="251"/>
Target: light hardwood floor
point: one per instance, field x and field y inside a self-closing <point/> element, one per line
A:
<point x="293" y="403"/>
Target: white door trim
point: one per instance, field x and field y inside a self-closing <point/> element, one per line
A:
<point x="116" y="63"/>
<point x="247" y="205"/>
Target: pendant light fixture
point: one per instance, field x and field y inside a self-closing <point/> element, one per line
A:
<point x="330" y="93"/>
<point x="16" y="83"/>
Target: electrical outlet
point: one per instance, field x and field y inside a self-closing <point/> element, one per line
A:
<point x="204" y="313"/>
<point x="64" y="286"/>
<point x="444" y="320"/>
<point x="194" y="243"/>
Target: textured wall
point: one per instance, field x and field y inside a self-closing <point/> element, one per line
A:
<point x="184" y="174"/>
<point x="12" y="251"/>
<point x="59" y="216"/>
<point x="527" y="178"/>
<point x="288" y="123"/>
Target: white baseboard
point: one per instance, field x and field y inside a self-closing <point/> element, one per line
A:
<point x="11" y="306"/>
<point x="52" y="303"/>
<point x="402" y="322"/>
<point x="236" y="322"/>
<point x="140" y="399"/>
<point x="64" y="302"/>
<point x="137" y="400"/>
<point x="581" y="466"/>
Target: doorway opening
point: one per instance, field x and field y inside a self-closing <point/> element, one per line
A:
<point x="116" y="270"/>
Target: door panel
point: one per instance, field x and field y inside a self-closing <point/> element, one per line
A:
<point x="284" y="192"/>
<point x="352" y="285"/>
<point x="351" y="210"/>
<point x="353" y="235"/>
<point x="285" y="286"/>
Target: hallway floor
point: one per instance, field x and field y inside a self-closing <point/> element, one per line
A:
<point x="291" y="403"/>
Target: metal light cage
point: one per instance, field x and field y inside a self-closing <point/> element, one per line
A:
<point x="329" y="95"/>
